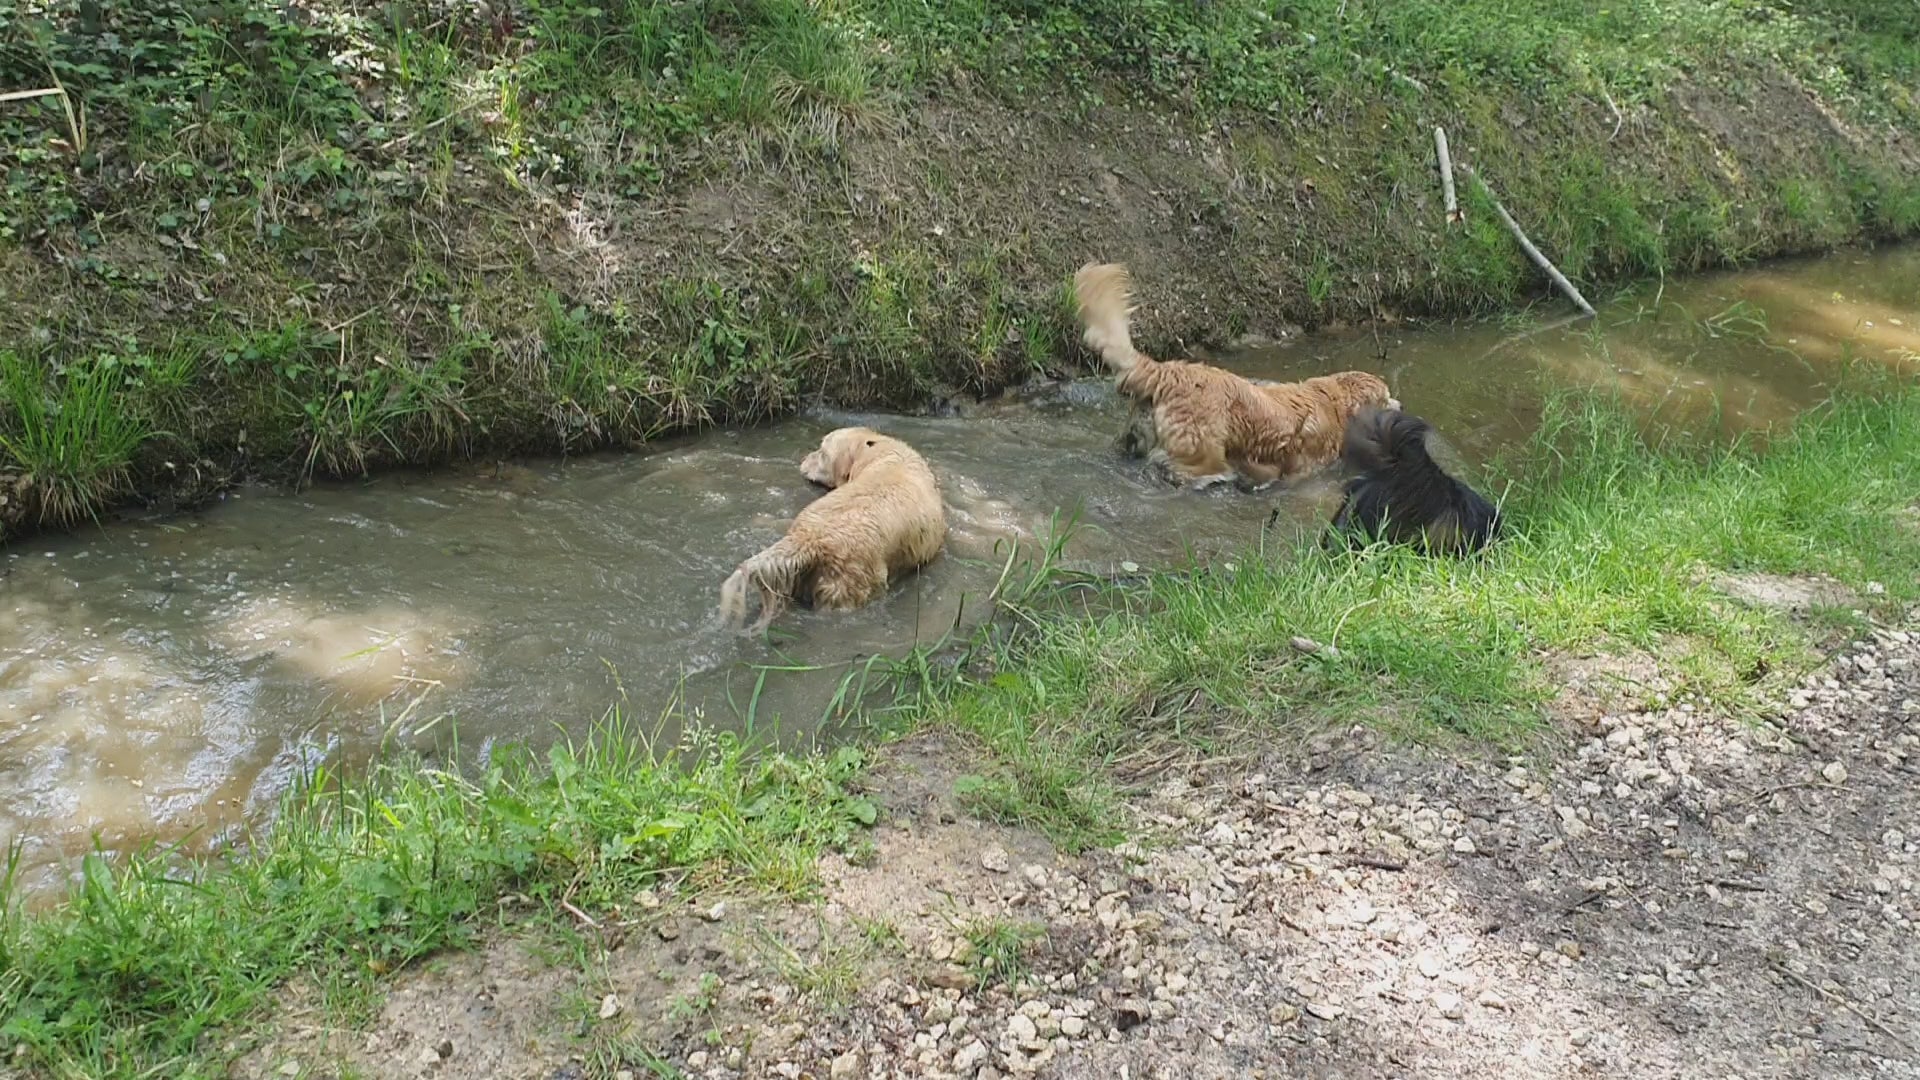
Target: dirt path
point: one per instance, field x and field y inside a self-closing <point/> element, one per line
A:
<point x="1674" y="894"/>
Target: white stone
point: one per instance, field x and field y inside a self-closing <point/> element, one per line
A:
<point x="970" y="1057"/>
<point x="1021" y="1030"/>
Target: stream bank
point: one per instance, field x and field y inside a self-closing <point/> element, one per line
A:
<point x="422" y="234"/>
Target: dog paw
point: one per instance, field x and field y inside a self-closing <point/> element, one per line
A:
<point x="1203" y="483"/>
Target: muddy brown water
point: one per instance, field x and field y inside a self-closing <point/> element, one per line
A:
<point x="168" y="679"/>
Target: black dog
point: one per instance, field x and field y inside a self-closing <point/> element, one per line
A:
<point x="1402" y="495"/>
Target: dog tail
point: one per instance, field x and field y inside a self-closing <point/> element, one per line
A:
<point x="1104" y="293"/>
<point x="1386" y="439"/>
<point x="774" y="573"/>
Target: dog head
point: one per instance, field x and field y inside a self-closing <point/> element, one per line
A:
<point x="842" y="453"/>
<point x="1378" y="438"/>
<point x="1363" y="388"/>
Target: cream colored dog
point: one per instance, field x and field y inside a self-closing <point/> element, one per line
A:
<point x="1210" y="424"/>
<point x="883" y="518"/>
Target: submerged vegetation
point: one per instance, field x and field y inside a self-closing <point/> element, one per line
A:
<point x="250" y="238"/>
<point x="1081" y="688"/>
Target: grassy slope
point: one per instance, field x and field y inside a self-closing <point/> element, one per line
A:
<point x="139" y="971"/>
<point x="272" y="240"/>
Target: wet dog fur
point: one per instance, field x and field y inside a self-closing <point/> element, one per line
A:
<point x="882" y="518"/>
<point x="1210" y="425"/>
<point x="1402" y="495"/>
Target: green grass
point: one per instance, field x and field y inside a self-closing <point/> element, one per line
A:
<point x="359" y="878"/>
<point x="72" y="437"/>
<point x="831" y="975"/>
<point x="384" y="234"/>
<point x="1281" y="56"/>
<point x="1611" y="553"/>
<point x="1082" y="690"/>
<point x="998" y="950"/>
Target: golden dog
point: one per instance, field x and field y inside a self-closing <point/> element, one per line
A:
<point x="1210" y="424"/>
<point x="883" y="517"/>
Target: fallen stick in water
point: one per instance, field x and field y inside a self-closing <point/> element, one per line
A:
<point x="1559" y="279"/>
<point x="1446" y="176"/>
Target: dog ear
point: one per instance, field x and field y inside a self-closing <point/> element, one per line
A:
<point x="843" y="464"/>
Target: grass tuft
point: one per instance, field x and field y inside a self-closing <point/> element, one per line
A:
<point x="998" y="950"/>
<point x="70" y="435"/>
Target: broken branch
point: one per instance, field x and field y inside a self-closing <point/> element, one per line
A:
<point x="1871" y="1021"/>
<point x="1314" y="648"/>
<point x="585" y="919"/>
<point x="1446" y="176"/>
<point x="1553" y="272"/>
<point x="23" y="95"/>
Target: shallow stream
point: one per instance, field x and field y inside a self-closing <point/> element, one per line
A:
<point x="169" y="678"/>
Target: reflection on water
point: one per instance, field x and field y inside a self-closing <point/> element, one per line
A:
<point x="168" y="679"/>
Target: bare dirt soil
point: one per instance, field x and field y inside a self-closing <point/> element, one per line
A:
<point x="1667" y="892"/>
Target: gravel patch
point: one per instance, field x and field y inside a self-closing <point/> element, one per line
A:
<point x="1678" y="894"/>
